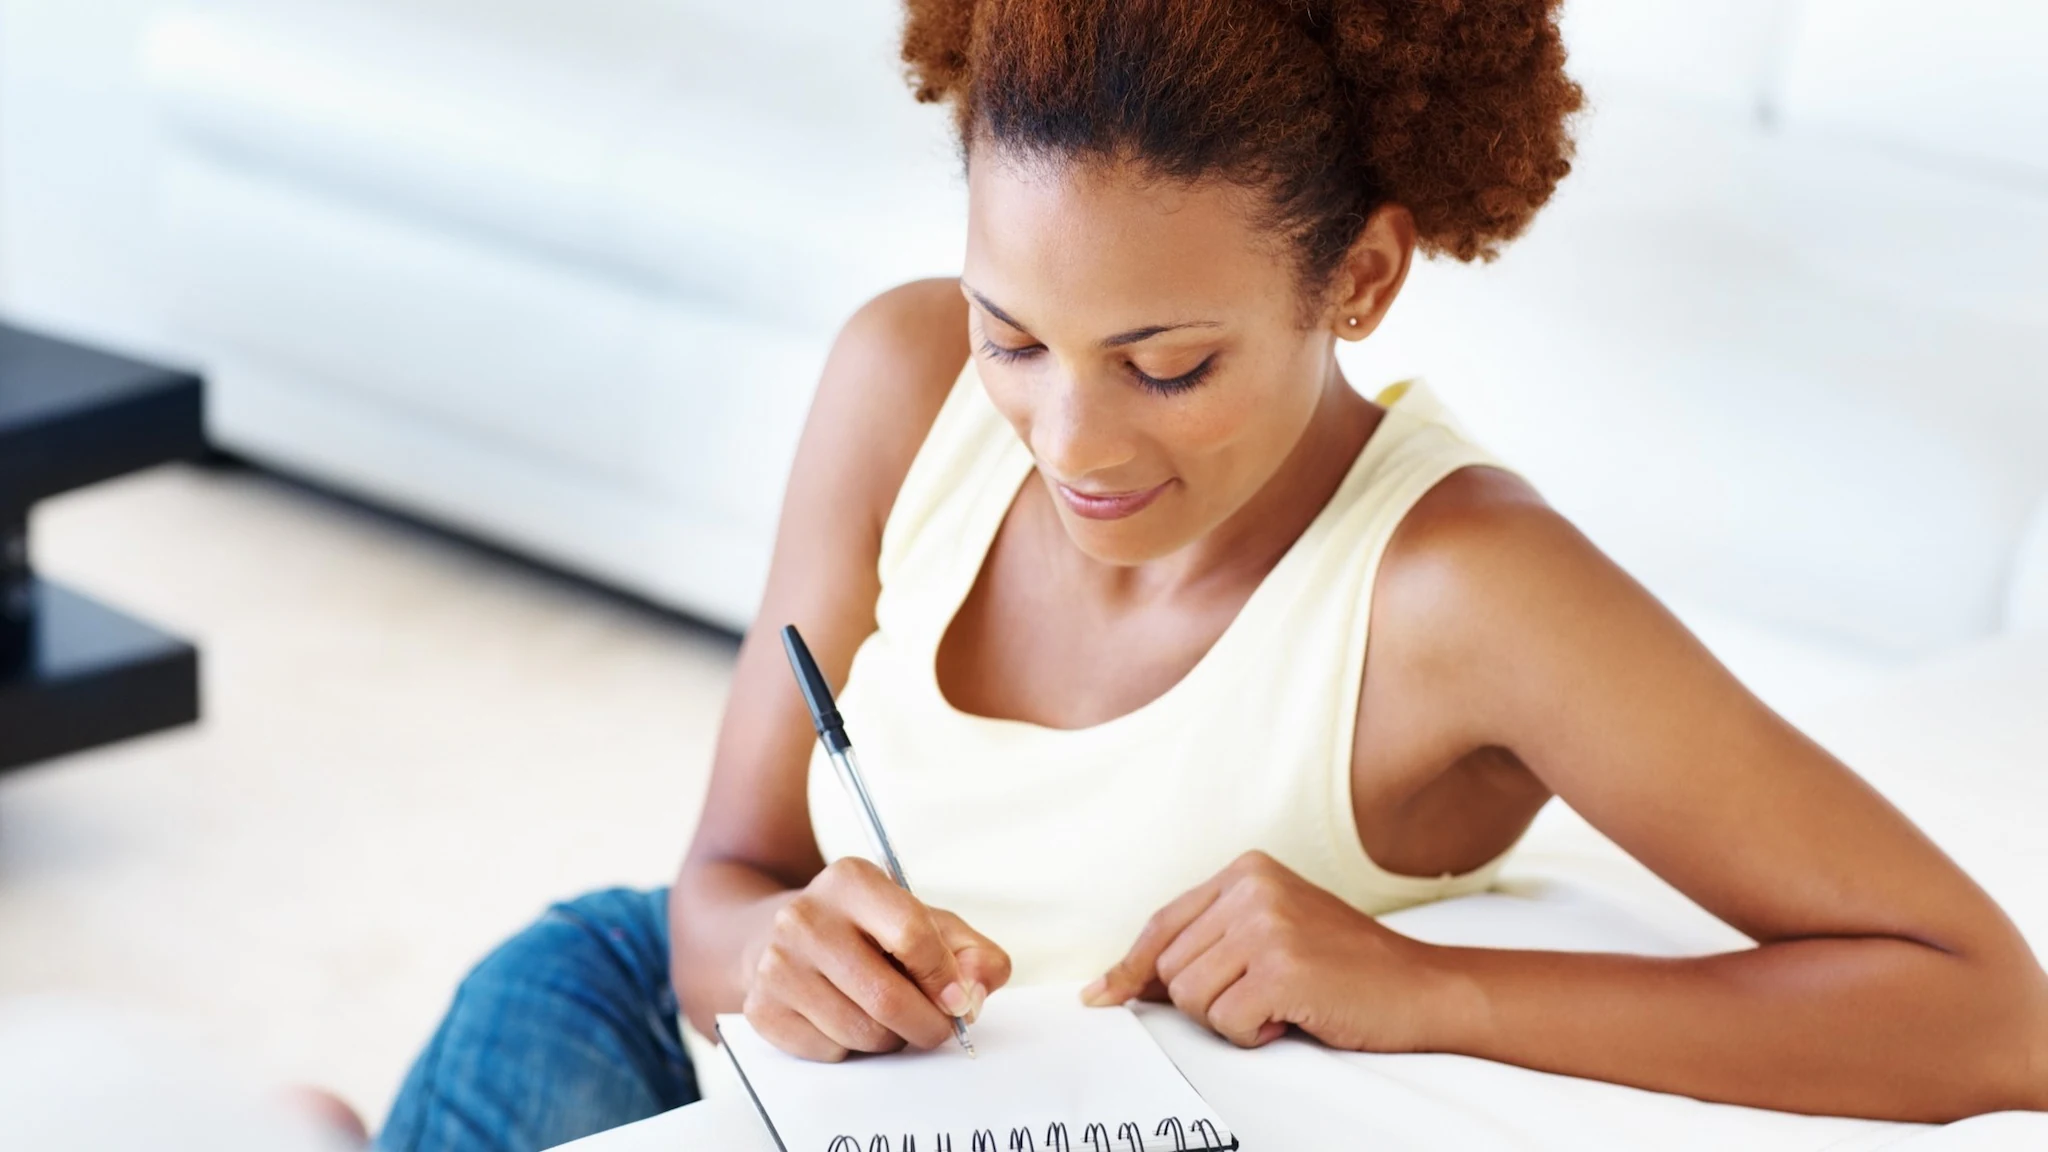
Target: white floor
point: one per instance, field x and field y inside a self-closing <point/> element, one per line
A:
<point x="408" y="748"/>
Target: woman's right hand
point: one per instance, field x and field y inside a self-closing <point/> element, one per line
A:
<point x="854" y="963"/>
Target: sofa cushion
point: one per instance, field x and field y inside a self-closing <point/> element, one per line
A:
<point x="1957" y="82"/>
<point x="1784" y="375"/>
<point x="2026" y="600"/>
<point x="657" y="142"/>
<point x="1723" y="55"/>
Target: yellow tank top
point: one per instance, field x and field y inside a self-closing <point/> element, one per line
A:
<point x="1059" y="843"/>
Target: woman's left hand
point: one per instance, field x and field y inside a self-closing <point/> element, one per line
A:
<point x="1257" y="948"/>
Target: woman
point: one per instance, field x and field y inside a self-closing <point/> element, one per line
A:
<point x="1093" y="534"/>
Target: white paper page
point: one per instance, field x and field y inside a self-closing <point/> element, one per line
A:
<point x="1044" y="1063"/>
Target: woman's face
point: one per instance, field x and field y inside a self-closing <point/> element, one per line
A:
<point x="1144" y="339"/>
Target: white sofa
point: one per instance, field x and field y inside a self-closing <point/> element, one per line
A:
<point x="562" y="275"/>
<point x="558" y="274"/>
<point x="1781" y="342"/>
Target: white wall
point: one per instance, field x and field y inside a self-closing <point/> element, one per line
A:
<point x="79" y="246"/>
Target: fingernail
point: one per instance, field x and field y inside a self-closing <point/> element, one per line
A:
<point x="955" y="1000"/>
<point x="976" y="996"/>
<point x="1093" y="994"/>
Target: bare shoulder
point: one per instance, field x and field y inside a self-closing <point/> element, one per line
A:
<point x="884" y="381"/>
<point x="1477" y="529"/>
<point x="1477" y="567"/>
<point x="1488" y="595"/>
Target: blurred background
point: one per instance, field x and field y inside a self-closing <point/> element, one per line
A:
<point x="509" y="312"/>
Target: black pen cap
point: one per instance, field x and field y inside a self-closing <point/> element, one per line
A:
<point x="817" y="693"/>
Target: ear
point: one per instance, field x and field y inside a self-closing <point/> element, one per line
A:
<point x="1373" y="272"/>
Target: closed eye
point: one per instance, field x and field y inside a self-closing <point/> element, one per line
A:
<point x="1180" y="383"/>
<point x="1008" y="355"/>
<point x="1167" y="386"/>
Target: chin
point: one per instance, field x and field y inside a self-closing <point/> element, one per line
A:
<point x="1149" y="535"/>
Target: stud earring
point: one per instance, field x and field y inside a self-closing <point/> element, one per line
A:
<point x="1353" y="321"/>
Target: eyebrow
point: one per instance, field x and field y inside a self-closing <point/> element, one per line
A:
<point x="1116" y="341"/>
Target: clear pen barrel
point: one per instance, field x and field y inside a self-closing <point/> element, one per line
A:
<point x="843" y="762"/>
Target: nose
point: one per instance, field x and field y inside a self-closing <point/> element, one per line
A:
<point x="1081" y="428"/>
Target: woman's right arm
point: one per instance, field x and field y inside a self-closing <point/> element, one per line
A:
<point x="824" y="960"/>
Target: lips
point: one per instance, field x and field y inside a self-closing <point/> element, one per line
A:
<point x="1109" y="505"/>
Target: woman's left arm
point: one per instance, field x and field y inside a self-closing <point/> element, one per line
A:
<point x="1885" y="982"/>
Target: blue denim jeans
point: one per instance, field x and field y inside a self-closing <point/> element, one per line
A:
<point x="568" y="1028"/>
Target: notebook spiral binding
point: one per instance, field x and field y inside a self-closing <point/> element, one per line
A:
<point x="1199" y="1136"/>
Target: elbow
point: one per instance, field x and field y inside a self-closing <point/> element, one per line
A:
<point x="2031" y="1093"/>
<point x="698" y="998"/>
<point x="2013" y="1049"/>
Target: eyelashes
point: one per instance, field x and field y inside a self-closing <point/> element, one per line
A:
<point x="1006" y="355"/>
<point x="1180" y="383"/>
<point x="1166" y="387"/>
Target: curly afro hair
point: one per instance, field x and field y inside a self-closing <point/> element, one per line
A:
<point x="1458" y="110"/>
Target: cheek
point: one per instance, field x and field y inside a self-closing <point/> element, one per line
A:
<point x="1009" y="398"/>
<point x="1225" y="431"/>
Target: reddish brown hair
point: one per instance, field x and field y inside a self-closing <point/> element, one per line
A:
<point x="1457" y="109"/>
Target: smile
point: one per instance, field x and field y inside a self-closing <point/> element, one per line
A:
<point x="1109" y="505"/>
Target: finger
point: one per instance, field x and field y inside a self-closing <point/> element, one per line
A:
<point x="788" y="1030"/>
<point x="984" y="965"/>
<point x="1204" y="978"/>
<point x="905" y="929"/>
<point x="1243" y="1015"/>
<point x="862" y="972"/>
<point x="789" y="979"/>
<point x="839" y="1018"/>
<point x="1129" y="976"/>
<point x="1195" y="940"/>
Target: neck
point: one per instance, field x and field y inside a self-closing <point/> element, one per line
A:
<point x="1252" y="539"/>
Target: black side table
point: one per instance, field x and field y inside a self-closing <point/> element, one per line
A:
<point x="74" y="673"/>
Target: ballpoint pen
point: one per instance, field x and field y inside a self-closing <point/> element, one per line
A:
<point x="832" y="734"/>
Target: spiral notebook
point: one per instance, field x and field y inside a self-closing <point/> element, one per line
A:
<point x="1050" y="1075"/>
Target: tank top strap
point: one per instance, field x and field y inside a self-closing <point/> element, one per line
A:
<point x="959" y="486"/>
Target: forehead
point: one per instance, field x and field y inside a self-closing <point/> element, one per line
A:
<point x="1100" y="235"/>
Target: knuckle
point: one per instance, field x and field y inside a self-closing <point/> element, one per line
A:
<point x="794" y="918"/>
<point x="870" y="1035"/>
<point x="1155" y="924"/>
<point x="826" y="880"/>
<point x="755" y="1007"/>
<point x="1263" y="887"/>
<point x="871" y="991"/>
<point x="774" y="965"/>
<point x="1177" y="988"/>
<point x="890" y="1001"/>
<point x="1168" y="969"/>
<point x="898" y="931"/>
<point x="855" y="870"/>
<point x="837" y="876"/>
